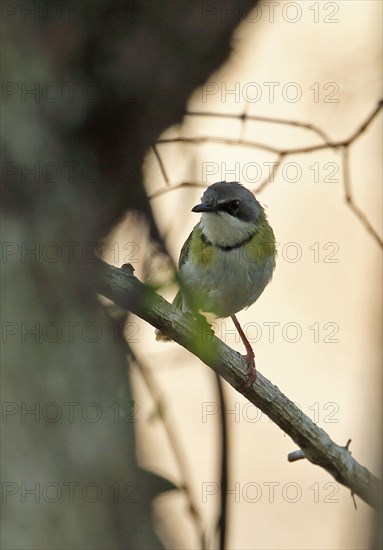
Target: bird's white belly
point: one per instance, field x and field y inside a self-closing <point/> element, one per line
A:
<point x="229" y="284"/>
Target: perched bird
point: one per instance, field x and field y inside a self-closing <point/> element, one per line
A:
<point x="228" y="258"/>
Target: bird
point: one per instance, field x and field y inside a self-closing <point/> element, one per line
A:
<point x="228" y="258"/>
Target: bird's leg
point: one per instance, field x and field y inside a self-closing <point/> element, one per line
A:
<point x="249" y="354"/>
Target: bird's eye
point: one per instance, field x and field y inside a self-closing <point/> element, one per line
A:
<point x="232" y="206"/>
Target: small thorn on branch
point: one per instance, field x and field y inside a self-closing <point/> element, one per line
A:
<point x="348" y="445"/>
<point x="296" y="455"/>
<point x="354" y="500"/>
<point x="127" y="268"/>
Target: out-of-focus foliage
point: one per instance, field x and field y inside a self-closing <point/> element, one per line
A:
<point x="87" y="88"/>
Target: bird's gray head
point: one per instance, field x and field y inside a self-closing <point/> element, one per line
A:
<point x="229" y="213"/>
<point x="232" y="198"/>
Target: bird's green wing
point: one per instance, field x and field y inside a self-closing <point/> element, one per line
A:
<point x="185" y="250"/>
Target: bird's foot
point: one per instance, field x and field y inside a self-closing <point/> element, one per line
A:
<point x="252" y="371"/>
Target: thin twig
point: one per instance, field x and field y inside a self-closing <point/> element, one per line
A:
<point x="223" y="141"/>
<point x="281" y="153"/>
<point x="223" y="515"/>
<point x="328" y="143"/>
<point x="184" y="184"/>
<point x="365" y="124"/>
<point x="257" y="118"/>
<point x="244" y="118"/>
<point x="161" y="165"/>
<point x="178" y="453"/>
<point x="267" y="180"/>
<point x="349" y="199"/>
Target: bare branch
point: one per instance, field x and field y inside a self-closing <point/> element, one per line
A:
<point x="327" y="143"/>
<point x="224" y="478"/>
<point x="365" y="124"/>
<point x="184" y="184"/>
<point x="349" y="199"/>
<point x="176" y="447"/>
<point x="161" y="165"/>
<point x="120" y="286"/>
<point x="267" y="180"/>
<point x="255" y="118"/>
<point x="225" y="141"/>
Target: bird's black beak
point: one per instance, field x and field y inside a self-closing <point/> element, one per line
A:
<point x="204" y="208"/>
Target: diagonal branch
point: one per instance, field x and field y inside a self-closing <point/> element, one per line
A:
<point x="123" y="288"/>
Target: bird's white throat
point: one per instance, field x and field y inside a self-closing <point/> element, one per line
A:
<point x="222" y="229"/>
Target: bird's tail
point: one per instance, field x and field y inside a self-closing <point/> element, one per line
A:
<point x="177" y="302"/>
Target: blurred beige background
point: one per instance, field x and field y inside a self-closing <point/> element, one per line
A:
<point x="331" y="293"/>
